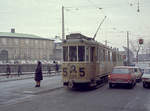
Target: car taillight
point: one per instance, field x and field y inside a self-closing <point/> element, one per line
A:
<point x="109" y="77"/>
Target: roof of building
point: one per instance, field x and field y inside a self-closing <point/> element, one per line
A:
<point x="21" y="35"/>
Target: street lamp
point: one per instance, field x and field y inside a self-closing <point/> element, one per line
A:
<point x="63" y="26"/>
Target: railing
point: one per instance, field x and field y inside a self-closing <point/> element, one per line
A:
<point x="28" y="69"/>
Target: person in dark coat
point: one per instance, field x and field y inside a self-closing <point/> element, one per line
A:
<point x="49" y="69"/>
<point x="38" y="74"/>
<point x="8" y="70"/>
<point x="57" y="67"/>
<point x="19" y="70"/>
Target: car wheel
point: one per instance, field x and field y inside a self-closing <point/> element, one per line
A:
<point x="131" y="85"/>
<point x="134" y="83"/>
<point x="140" y="79"/>
<point x="110" y="85"/>
<point x="144" y="85"/>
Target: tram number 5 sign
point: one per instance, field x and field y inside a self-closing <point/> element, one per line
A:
<point x="73" y="69"/>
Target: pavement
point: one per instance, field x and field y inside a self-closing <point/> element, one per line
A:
<point x="49" y="84"/>
<point x="26" y="83"/>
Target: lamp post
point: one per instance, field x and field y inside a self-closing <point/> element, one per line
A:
<point x="128" y="48"/>
<point x="63" y="25"/>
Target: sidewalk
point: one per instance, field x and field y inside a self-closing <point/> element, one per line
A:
<point x="14" y="91"/>
<point x="47" y="85"/>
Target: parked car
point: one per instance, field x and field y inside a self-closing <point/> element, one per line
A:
<point x="122" y="75"/>
<point x="146" y="77"/>
<point x="138" y="73"/>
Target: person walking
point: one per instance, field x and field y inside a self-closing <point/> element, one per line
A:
<point x="8" y="70"/>
<point x="57" y="67"/>
<point x="49" y="69"/>
<point x="19" y="70"/>
<point x="38" y="74"/>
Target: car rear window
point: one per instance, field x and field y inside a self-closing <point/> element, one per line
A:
<point x="120" y="71"/>
<point x="147" y="71"/>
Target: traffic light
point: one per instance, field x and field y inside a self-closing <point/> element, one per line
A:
<point x="141" y="41"/>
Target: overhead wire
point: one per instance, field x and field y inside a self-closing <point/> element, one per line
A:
<point x="107" y="18"/>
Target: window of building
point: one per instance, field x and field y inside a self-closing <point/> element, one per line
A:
<point x="36" y="42"/>
<point x="16" y="41"/>
<point x="27" y="41"/>
<point x="44" y="43"/>
<point x="4" y="41"/>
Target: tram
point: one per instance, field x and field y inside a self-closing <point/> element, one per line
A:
<point x="86" y="61"/>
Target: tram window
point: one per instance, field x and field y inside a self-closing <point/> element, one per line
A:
<point x="104" y="55"/>
<point x="87" y="53"/>
<point x="73" y="53"/>
<point x="110" y="56"/>
<point x="97" y="56"/>
<point x="92" y="54"/>
<point x="81" y="53"/>
<point x="114" y="57"/>
<point x="65" y="53"/>
<point x="101" y="55"/>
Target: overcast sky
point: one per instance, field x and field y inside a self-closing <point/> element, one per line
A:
<point x="43" y="18"/>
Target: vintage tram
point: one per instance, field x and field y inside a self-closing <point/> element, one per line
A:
<point x="86" y="61"/>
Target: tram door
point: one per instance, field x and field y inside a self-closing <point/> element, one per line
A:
<point x="93" y="60"/>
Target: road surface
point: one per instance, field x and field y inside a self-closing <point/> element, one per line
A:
<point x="63" y="99"/>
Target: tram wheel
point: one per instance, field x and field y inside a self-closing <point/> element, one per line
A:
<point x="70" y="84"/>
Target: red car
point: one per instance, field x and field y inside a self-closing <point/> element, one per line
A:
<point x="122" y="75"/>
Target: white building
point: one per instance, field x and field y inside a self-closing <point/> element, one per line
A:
<point x="24" y="47"/>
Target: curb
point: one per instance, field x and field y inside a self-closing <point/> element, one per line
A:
<point x="43" y="91"/>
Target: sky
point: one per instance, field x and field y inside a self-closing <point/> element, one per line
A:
<point x="43" y="18"/>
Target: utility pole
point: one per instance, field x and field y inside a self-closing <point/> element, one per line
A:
<point x="128" y="48"/>
<point x="63" y="26"/>
<point x="106" y="42"/>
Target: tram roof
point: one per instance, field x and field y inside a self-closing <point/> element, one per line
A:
<point x="78" y="38"/>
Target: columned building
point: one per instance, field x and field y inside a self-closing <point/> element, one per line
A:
<point x="24" y="47"/>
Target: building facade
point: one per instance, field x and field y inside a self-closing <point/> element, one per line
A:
<point x="24" y="47"/>
<point x="58" y="49"/>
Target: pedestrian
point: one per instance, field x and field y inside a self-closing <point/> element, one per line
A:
<point x="49" y="69"/>
<point x="19" y="70"/>
<point x="8" y="70"/>
<point x="57" y="67"/>
<point x="38" y="74"/>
